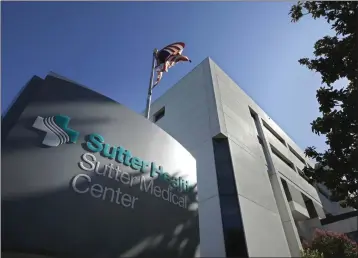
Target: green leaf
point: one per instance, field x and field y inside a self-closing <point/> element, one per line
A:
<point x="335" y="57"/>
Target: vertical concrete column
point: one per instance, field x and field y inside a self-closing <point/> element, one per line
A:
<point x="288" y="222"/>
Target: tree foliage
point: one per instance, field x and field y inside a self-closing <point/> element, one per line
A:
<point x="309" y="253"/>
<point x="327" y="244"/>
<point x="335" y="58"/>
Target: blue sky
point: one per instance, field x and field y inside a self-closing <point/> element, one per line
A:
<point x="107" y="47"/>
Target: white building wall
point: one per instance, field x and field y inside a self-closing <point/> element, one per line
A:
<point x="191" y="118"/>
<point x="258" y="205"/>
<point x="205" y="103"/>
<point x="240" y="103"/>
<point x="343" y="226"/>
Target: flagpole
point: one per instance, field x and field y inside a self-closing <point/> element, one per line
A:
<point x="150" y="89"/>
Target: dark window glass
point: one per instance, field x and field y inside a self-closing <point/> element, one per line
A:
<point x="229" y="205"/>
<point x="297" y="155"/>
<point x="160" y="114"/>
<point x="234" y="236"/>
<point x="223" y="163"/>
<point x="287" y="190"/>
<point x="227" y="186"/>
<point x="311" y="209"/>
<point x="274" y="133"/>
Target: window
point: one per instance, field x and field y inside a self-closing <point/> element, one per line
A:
<point x="224" y="169"/>
<point x="157" y="116"/>
<point x="287" y="190"/>
<point x="310" y="207"/>
<point x="273" y="133"/>
<point x="234" y="235"/>
<point x="282" y="158"/>
<point x="296" y="155"/>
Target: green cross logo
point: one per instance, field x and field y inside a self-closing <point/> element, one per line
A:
<point x="56" y="129"/>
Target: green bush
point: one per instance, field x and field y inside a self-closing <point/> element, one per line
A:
<point x="331" y="245"/>
<point x="309" y="253"/>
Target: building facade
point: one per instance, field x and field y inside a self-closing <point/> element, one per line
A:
<point x="253" y="201"/>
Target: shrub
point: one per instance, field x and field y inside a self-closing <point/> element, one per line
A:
<point x="332" y="245"/>
<point x="309" y="253"/>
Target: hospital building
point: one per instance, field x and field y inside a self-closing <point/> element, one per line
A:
<point x="253" y="198"/>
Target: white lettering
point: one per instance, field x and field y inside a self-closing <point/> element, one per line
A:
<point x="88" y="161"/>
<point x="175" y="202"/>
<point x="133" y="201"/>
<point x="125" y="178"/>
<point x="96" y="191"/>
<point x="118" y="195"/>
<point x="105" y="193"/>
<point x="118" y="173"/>
<point x="107" y="189"/>
<point x="157" y="191"/>
<point x="74" y="182"/>
<point x="126" y="200"/>
<point x="99" y="171"/>
<point x="182" y="202"/>
<point x="113" y="195"/>
<point x="111" y="168"/>
<point x="166" y="194"/>
<point x="146" y="187"/>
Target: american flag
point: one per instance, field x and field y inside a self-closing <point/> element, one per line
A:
<point x="168" y="57"/>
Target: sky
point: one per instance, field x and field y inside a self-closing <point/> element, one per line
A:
<point x="107" y="46"/>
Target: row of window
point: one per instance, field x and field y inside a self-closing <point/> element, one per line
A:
<point x="161" y="112"/>
<point x="282" y="158"/>
<point x="308" y="202"/>
<point x="280" y="139"/>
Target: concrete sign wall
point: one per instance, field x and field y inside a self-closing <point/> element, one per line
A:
<point x="82" y="176"/>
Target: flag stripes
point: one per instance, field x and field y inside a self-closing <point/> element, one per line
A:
<point x="174" y="49"/>
<point x="168" y="57"/>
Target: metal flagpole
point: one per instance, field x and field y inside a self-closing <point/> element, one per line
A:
<point x="150" y="89"/>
